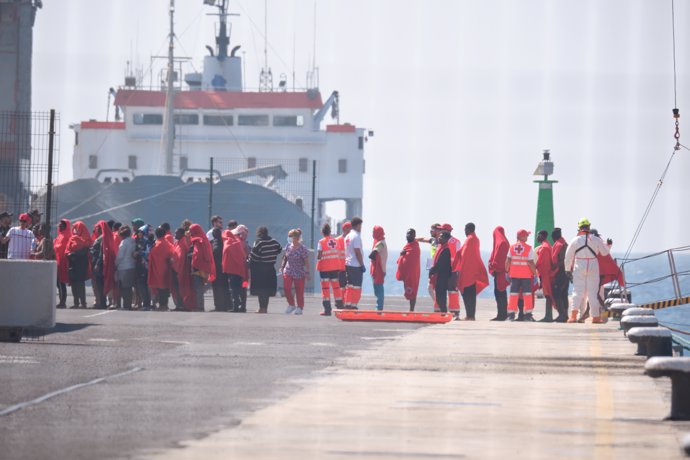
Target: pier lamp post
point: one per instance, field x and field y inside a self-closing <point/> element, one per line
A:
<point x="545" y="217"/>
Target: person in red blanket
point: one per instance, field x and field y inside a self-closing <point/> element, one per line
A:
<point x="497" y="269"/>
<point x="60" y="246"/>
<point x="409" y="267"/>
<point x="102" y="263"/>
<point x="160" y="269"/>
<point x="472" y="276"/>
<point x="183" y="270"/>
<point x="79" y="270"/>
<point x="235" y="266"/>
<point x="559" y="279"/>
<point x="544" y="269"/>
<point x="203" y="269"/>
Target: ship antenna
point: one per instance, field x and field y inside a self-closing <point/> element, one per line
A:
<point x="223" y="40"/>
<point x="266" y="76"/>
<point x="169" y="125"/>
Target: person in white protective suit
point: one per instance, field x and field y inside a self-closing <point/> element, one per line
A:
<point x="582" y="268"/>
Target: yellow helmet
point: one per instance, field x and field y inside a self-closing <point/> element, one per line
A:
<point x="584" y="222"/>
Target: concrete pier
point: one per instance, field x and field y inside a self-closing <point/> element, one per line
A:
<point x="467" y="390"/>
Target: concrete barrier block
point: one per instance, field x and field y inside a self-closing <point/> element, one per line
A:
<point x="27" y="296"/>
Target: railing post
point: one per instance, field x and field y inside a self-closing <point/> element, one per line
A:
<point x="674" y="274"/>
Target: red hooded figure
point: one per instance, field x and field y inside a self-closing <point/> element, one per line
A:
<point x="80" y="238"/>
<point x="468" y="262"/>
<point x="234" y="255"/>
<point x="60" y="247"/>
<point x="544" y="257"/>
<point x="409" y="269"/>
<point x="160" y="264"/>
<point x="183" y="268"/>
<point x="497" y="261"/>
<point x="202" y="257"/>
<point x="109" y="254"/>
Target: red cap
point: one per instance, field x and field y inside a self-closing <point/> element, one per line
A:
<point x="446" y="228"/>
<point x="523" y="232"/>
<point x="25" y="218"/>
<point x="347" y="224"/>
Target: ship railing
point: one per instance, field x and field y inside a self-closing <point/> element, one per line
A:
<point x="660" y="275"/>
<point x="246" y="89"/>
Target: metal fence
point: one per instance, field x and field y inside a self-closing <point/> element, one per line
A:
<point x="660" y="276"/>
<point x="27" y="145"/>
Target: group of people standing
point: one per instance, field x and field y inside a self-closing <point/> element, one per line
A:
<point x="456" y="270"/>
<point x="137" y="267"/>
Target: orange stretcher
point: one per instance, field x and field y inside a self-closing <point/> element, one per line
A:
<point x="393" y="316"/>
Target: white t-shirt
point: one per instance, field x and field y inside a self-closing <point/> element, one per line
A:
<point x="352" y="241"/>
<point x="20" y="243"/>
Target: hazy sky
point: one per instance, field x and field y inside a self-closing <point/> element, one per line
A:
<point x="462" y="96"/>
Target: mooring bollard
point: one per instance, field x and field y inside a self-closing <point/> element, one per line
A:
<point x="618" y="308"/>
<point x="629" y="322"/>
<point x="652" y="341"/>
<point x="637" y="311"/>
<point x="678" y="369"/>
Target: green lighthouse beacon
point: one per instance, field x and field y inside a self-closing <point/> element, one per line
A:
<point x="545" y="218"/>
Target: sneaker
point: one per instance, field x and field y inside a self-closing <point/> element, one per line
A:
<point x="528" y="317"/>
<point x="456" y="315"/>
<point x="298" y="311"/>
<point x="290" y="310"/>
<point x="511" y="317"/>
<point x="325" y="313"/>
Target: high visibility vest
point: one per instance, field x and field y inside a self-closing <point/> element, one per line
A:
<point x="330" y="255"/>
<point x="520" y="253"/>
<point x="341" y="252"/>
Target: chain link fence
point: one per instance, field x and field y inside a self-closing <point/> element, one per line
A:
<point x="25" y="151"/>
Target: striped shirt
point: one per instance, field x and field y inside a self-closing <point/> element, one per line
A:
<point x="20" y="243"/>
<point x="265" y="251"/>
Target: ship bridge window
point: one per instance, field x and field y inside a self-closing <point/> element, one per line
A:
<point x="252" y="120"/>
<point x="186" y="119"/>
<point x="93" y="162"/>
<point x="184" y="162"/>
<point x="342" y="165"/>
<point x="288" y="120"/>
<point x="147" y="119"/>
<point x="132" y="162"/>
<point x="219" y="120"/>
<point x="303" y="165"/>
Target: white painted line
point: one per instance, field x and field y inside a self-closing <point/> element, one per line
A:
<point x="322" y="344"/>
<point x="4" y="359"/>
<point x="45" y="397"/>
<point x="250" y="343"/>
<point x="103" y="340"/>
<point x="175" y="342"/>
<point x="99" y="314"/>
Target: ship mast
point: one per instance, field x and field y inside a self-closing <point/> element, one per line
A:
<point x="169" y="125"/>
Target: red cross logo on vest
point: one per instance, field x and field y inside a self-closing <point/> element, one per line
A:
<point x="519" y="249"/>
<point x="332" y="244"/>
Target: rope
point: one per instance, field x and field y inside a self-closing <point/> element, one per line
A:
<point x="140" y="200"/>
<point x="638" y="230"/>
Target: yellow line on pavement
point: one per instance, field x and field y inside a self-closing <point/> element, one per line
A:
<point x="603" y="439"/>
